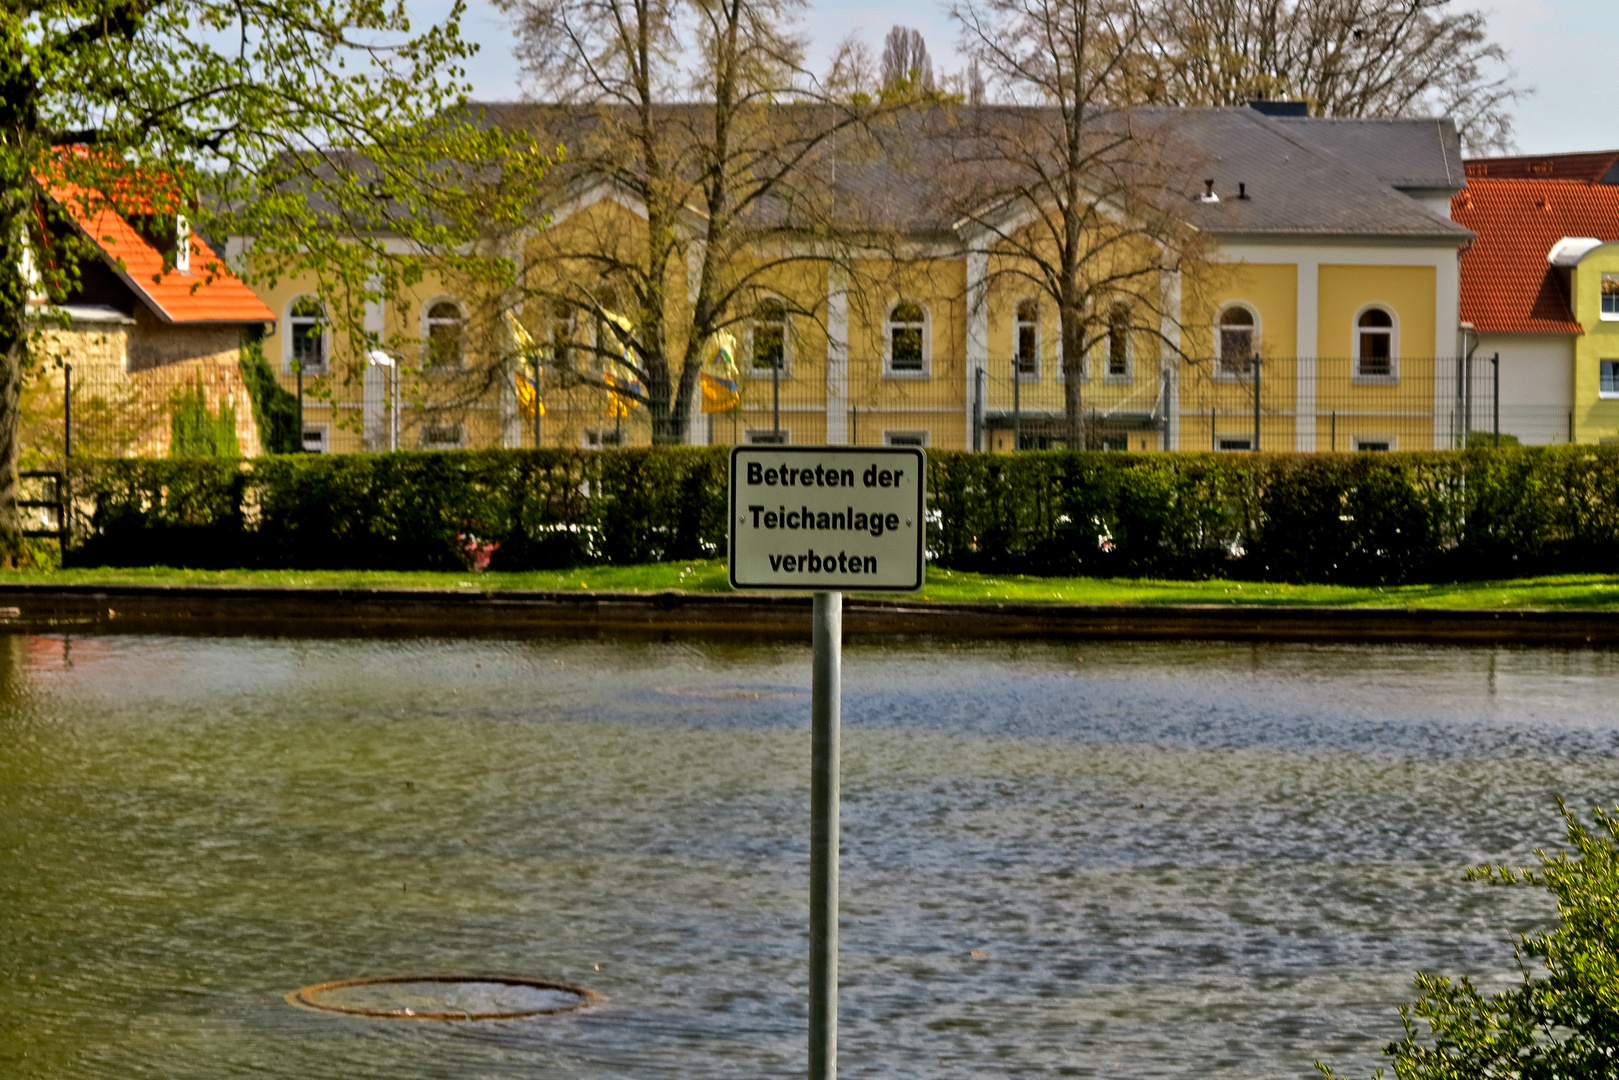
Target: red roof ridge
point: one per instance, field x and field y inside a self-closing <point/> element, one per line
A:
<point x="211" y="293"/>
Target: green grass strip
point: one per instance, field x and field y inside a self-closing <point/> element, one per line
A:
<point x="1573" y="592"/>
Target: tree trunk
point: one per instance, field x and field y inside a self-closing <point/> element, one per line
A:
<point x="1073" y="373"/>
<point x="13" y="360"/>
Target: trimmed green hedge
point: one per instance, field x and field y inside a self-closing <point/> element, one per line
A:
<point x="1350" y="518"/>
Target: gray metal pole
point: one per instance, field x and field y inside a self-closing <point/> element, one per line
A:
<point x="824" y="768"/>
<point x="67" y="410"/>
<point x="978" y="408"/>
<point x="1495" y="395"/>
<point x="1017" y="407"/>
<point x="1256" y="403"/>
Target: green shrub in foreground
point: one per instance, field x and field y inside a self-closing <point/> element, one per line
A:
<point x="1562" y="1022"/>
<point x="1353" y="519"/>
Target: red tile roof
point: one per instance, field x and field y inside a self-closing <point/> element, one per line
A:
<point x="1507" y="284"/>
<point x="210" y="293"/>
<point x="1591" y="167"/>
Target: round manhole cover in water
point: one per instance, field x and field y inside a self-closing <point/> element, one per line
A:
<point x="445" y="997"/>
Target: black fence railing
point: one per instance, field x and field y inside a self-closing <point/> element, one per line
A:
<point x="1270" y="404"/>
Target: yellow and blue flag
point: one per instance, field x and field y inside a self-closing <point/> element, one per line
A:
<point x="623" y="395"/>
<point x="528" y="396"/>
<point x="719" y="395"/>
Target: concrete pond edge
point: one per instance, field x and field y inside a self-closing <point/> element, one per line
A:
<point x="321" y="611"/>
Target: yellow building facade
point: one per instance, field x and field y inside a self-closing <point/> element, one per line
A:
<point x="1321" y="315"/>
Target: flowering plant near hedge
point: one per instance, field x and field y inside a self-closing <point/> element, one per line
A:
<point x="1350" y="518"/>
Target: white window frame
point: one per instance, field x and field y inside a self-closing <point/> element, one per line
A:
<point x="889" y="325"/>
<point x="908" y="436"/>
<point x="1392" y="440"/>
<point x="1602" y="297"/>
<point x="1018" y="323"/>
<point x="428" y="322"/>
<point x="756" y="372"/>
<point x="1608" y="394"/>
<point x="1393" y="375"/>
<point x="288" y="335"/>
<point x="1106" y="359"/>
<point x="767" y="437"/>
<point x="324" y="430"/>
<point x="1220" y="369"/>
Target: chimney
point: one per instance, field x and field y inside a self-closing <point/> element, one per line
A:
<point x="1281" y="108"/>
<point x="1208" y="192"/>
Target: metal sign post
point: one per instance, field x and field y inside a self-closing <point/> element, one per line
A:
<point x="825" y="771"/>
<point x="826" y="518"/>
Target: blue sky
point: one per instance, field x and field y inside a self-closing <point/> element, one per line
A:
<point x="1562" y="48"/>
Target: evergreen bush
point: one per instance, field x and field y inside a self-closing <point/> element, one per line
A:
<point x="1562" y="1018"/>
<point x="275" y="409"/>
<point x="1369" y="518"/>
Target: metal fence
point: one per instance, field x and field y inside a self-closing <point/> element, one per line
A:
<point x="1281" y="404"/>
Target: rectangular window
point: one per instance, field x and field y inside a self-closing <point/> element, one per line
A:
<point x="1228" y="442"/>
<point x="905" y="438"/>
<point x="1610" y="296"/>
<point x="596" y="438"/>
<point x="766" y="437"/>
<point x="442" y="437"/>
<point x="1374" y="443"/>
<point x="1610" y="378"/>
<point x="316" y="439"/>
<point x="309" y="346"/>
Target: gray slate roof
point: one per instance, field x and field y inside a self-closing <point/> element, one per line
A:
<point x="1305" y="177"/>
<point x="1310" y="177"/>
<point x="1404" y="153"/>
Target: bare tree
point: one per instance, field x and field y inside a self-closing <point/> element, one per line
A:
<point x="852" y="75"/>
<point x="700" y="112"/>
<point x="1343" y="57"/>
<point x="906" y="62"/>
<point x="1068" y="193"/>
<point x="977" y="93"/>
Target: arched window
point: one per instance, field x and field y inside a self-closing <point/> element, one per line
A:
<point x="1118" y="341"/>
<point x="907" y="339"/>
<point x="770" y="336"/>
<point x="1238" y="335"/>
<point x="1374" y="344"/>
<point x="445" y="326"/>
<point x="306" y="341"/>
<point x="1026" y="340"/>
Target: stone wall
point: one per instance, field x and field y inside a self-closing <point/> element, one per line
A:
<point x="126" y="373"/>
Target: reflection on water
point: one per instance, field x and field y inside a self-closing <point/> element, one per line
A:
<point x="1105" y="860"/>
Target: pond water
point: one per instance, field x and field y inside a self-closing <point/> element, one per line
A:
<point x="1112" y="860"/>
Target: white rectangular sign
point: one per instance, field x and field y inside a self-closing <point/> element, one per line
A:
<point x="827" y="517"/>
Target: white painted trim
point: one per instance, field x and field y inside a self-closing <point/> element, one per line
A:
<point x="927" y="342"/>
<point x="1447" y="329"/>
<point x="374" y="421"/>
<point x="1170" y="329"/>
<point x="1039" y="339"/>
<point x="424" y="326"/>
<point x="1393" y="377"/>
<point x="325" y="334"/>
<point x="837" y="357"/>
<point x="786" y="342"/>
<point x="1254" y="344"/>
<point x="1307" y="341"/>
<point x="977" y="330"/>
